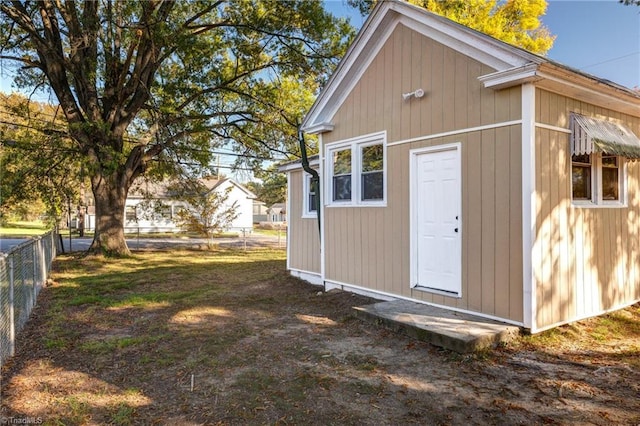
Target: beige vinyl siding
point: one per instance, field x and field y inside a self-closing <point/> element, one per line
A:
<point x="369" y="246"/>
<point x="454" y="98"/>
<point x="304" y="238"/>
<point x="586" y="260"/>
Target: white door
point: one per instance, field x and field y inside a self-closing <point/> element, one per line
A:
<point x="436" y="225"/>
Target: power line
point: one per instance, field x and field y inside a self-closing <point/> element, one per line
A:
<point x="611" y="60"/>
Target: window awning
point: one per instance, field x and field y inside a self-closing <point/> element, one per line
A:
<point x="590" y="135"/>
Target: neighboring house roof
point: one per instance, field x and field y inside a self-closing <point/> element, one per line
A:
<point x="513" y="65"/>
<point x="162" y="189"/>
<point x="213" y="183"/>
<point x="278" y="208"/>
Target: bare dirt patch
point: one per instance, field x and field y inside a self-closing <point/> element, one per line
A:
<point x="228" y="337"/>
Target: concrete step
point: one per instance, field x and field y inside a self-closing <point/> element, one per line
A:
<point x="452" y="330"/>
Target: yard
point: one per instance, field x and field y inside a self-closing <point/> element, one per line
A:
<point x="227" y="337"/>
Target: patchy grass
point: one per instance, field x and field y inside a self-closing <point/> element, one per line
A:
<point x="228" y="337"/>
<point x="272" y="232"/>
<point x="23" y="229"/>
<point x="602" y="340"/>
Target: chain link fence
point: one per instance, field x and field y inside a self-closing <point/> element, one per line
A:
<point x="23" y="273"/>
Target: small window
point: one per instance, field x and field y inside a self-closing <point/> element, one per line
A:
<point x="310" y="197"/>
<point x="610" y="178"/>
<point x="313" y="199"/>
<point x="581" y="176"/>
<point x="597" y="179"/>
<point x="130" y="214"/>
<point x="356" y="171"/>
<point x="342" y="175"/>
<point x="165" y="212"/>
<point x="372" y="172"/>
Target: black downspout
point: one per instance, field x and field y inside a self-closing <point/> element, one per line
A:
<point x="315" y="178"/>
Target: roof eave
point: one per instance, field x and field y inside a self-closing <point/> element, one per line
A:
<point x="314" y="160"/>
<point x="564" y="81"/>
<point x="318" y="128"/>
<point x="377" y="28"/>
<point x="511" y="77"/>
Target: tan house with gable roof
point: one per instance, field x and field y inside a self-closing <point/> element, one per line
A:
<point x="460" y="171"/>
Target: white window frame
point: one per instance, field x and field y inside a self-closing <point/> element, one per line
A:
<point x="596" y="184"/>
<point x="356" y="145"/>
<point x="307" y="213"/>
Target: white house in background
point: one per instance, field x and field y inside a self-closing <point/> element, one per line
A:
<point x="259" y="211"/>
<point x="277" y="213"/>
<point x="150" y="207"/>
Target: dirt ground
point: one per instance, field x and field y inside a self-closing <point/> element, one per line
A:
<point x="251" y="345"/>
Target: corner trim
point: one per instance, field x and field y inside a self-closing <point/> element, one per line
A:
<point x="310" y="277"/>
<point x="529" y="205"/>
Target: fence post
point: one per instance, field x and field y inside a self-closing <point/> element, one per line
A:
<point x="43" y="259"/>
<point x="12" y="322"/>
<point x="279" y="231"/>
<point x="244" y="235"/>
<point x="34" y="257"/>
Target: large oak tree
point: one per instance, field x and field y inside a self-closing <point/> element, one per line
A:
<point x="159" y="84"/>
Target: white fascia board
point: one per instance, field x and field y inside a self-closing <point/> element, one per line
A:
<point x="474" y="44"/>
<point x="377" y="30"/>
<point x="370" y="39"/>
<point x="511" y="77"/>
<point x="567" y="83"/>
<point x="588" y="89"/>
<point x="289" y="167"/>
<point x="318" y="128"/>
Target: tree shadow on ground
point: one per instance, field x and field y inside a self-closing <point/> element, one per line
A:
<point x="229" y="337"/>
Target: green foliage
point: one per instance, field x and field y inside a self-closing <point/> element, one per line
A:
<point x="272" y="189"/>
<point x="159" y="85"/>
<point x="206" y="211"/>
<point x="513" y="21"/>
<point x="39" y="167"/>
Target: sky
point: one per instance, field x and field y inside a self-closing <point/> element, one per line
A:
<point x="599" y="37"/>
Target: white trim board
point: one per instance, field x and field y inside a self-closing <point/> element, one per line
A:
<point x="321" y="211"/>
<point x="289" y="229"/>
<point x="457" y="132"/>
<point x="554" y="128"/>
<point x="382" y="295"/>
<point x="310" y="277"/>
<point x="529" y="205"/>
<point x="375" y="32"/>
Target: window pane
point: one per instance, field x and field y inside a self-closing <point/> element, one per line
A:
<point x="342" y="162"/>
<point x="584" y="159"/>
<point x="609" y="183"/>
<point x="312" y="199"/>
<point x="372" y="158"/>
<point x="581" y="177"/>
<point x="165" y="212"/>
<point x="130" y="214"/>
<point x="609" y="161"/>
<point x="372" y="186"/>
<point x="342" y="188"/>
<point x="312" y="202"/>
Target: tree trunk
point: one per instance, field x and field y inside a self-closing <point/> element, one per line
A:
<point x="110" y="196"/>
